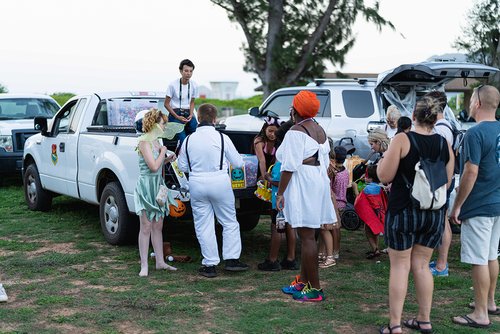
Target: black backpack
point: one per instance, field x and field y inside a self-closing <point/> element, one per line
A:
<point x="458" y="140"/>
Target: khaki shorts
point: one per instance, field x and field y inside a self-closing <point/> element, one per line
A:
<point x="479" y="238"/>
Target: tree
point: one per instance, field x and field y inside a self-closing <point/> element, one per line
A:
<point x="3" y="89"/>
<point x="289" y="42"/>
<point x="481" y="34"/>
<point x="62" y="97"/>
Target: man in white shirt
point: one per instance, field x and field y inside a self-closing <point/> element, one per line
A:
<point x="443" y="128"/>
<point x="204" y="155"/>
<point x="179" y="100"/>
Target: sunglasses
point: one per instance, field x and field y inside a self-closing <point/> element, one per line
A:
<point x="477" y="92"/>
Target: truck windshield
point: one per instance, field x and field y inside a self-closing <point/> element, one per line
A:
<point x="26" y="108"/>
<point x="121" y="112"/>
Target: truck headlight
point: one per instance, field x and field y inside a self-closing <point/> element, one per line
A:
<point x="6" y="143"/>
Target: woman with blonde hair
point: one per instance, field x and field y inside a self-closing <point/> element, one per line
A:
<point x="410" y="232"/>
<point x="391" y="118"/>
<point x="152" y="157"/>
<point x="379" y="141"/>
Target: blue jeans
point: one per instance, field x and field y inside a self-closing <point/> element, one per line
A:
<point x="189" y="127"/>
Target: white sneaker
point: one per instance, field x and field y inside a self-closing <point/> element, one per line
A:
<point x="3" y="294"/>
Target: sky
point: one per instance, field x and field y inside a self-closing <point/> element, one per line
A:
<point x="83" y="46"/>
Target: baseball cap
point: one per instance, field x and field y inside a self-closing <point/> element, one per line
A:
<point x="340" y="153"/>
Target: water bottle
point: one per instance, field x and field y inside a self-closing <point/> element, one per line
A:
<point x="280" y="222"/>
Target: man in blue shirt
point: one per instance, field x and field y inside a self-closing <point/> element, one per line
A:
<point x="477" y="205"/>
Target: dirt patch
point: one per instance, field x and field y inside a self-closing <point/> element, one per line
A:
<point x="110" y="288"/>
<point x="6" y="252"/>
<point x="6" y="327"/>
<point x="130" y="327"/>
<point x="99" y="245"/>
<point x="367" y="308"/>
<point x="64" y="312"/>
<point x="63" y="248"/>
<point x="78" y="283"/>
<point x="81" y="284"/>
<point x="65" y="328"/>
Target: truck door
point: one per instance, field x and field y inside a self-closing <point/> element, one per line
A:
<point x="59" y="161"/>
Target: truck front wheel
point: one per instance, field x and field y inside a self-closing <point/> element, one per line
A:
<point x="37" y="198"/>
<point x="116" y="222"/>
<point x="248" y="221"/>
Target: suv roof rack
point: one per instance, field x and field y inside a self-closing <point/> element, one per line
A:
<point x="361" y="81"/>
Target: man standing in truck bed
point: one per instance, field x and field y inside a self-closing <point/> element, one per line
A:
<point x="180" y="100"/>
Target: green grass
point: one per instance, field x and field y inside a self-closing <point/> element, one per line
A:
<point x="61" y="276"/>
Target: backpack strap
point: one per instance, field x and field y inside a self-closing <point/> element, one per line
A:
<point x="444" y="124"/>
<point x="414" y="142"/>
<point x="221" y="150"/>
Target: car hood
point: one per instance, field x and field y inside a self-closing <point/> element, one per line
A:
<point x="433" y="74"/>
<point x="245" y="123"/>
<point x="6" y="126"/>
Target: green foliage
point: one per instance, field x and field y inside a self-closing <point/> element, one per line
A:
<point x="289" y="42"/>
<point x="240" y="106"/>
<point x="481" y="35"/>
<point x="3" y="89"/>
<point x="62" y="98"/>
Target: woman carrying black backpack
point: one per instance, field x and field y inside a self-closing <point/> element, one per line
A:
<point x="410" y="232"/>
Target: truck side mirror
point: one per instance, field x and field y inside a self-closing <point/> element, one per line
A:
<point x="254" y="111"/>
<point x="41" y="125"/>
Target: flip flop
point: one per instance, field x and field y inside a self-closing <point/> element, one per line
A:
<point x="490" y="312"/>
<point x="469" y="322"/>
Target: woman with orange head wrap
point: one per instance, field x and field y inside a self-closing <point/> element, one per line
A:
<point x="304" y="190"/>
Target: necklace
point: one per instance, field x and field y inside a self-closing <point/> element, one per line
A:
<point x="304" y="120"/>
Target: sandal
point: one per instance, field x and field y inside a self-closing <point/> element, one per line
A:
<point x="329" y="261"/>
<point x="415" y="324"/>
<point x="321" y="257"/>
<point x="373" y="254"/>
<point x="383" y="328"/>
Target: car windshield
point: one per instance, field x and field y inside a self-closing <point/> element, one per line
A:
<point x="26" y="108"/>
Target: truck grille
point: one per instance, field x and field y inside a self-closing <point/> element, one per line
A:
<point x="19" y="137"/>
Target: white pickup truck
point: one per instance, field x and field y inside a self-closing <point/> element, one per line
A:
<point x="87" y="151"/>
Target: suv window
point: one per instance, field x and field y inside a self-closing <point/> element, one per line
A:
<point x="281" y="103"/>
<point x="358" y="103"/>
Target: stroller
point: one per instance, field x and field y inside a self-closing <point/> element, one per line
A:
<point x="348" y="217"/>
